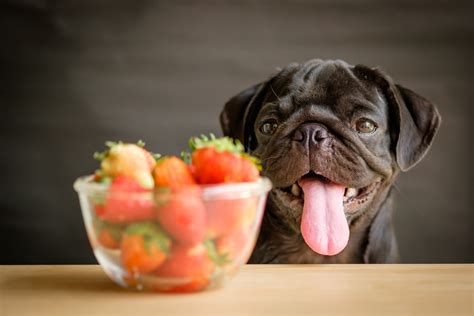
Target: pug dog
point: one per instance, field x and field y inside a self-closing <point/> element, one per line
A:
<point x="332" y="138"/>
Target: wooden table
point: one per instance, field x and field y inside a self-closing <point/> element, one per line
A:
<point x="256" y="290"/>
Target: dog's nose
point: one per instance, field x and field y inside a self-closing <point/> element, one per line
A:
<point x="311" y="134"/>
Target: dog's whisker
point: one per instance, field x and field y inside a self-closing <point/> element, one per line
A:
<point x="398" y="189"/>
<point x="274" y="93"/>
<point x="407" y="200"/>
<point x="270" y="158"/>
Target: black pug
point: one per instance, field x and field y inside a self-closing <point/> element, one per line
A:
<point x="332" y="137"/>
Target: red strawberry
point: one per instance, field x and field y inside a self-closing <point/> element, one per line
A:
<point x="221" y="160"/>
<point x="108" y="235"/>
<point x="249" y="170"/>
<point x="232" y="245"/>
<point x="183" y="215"/>
<point x="150" y="158"/>
<point x="126" y="201"/>
<point x="228" y="215"/>
<point x="211" y="166"/>
<point x="172" y="172"/>
<point x="144" y="247"/>
<point x="196" y="284"/>
<point x="107" y="240"/>
<point x="128" y="160"/>
<point x="192" y="263"/>
<point x="99" y="210"/>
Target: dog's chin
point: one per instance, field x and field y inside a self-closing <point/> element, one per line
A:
<point x="355" y="200"/>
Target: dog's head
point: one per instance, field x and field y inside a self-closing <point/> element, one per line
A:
<point x="331" y="137"/>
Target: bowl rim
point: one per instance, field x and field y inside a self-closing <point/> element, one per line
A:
<point x="84" y="185"/>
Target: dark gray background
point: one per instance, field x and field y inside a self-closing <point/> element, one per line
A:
<point x="76" y="73"/>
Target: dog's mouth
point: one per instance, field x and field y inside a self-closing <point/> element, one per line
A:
<point x="324" y="206"/>
<point x="353" y="198"/>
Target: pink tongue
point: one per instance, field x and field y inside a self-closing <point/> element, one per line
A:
<point x="324" y="225"/>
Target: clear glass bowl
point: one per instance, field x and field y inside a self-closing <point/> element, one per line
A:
<point x="232" y="215"/>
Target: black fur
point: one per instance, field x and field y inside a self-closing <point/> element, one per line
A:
<point x="332" y="94"/>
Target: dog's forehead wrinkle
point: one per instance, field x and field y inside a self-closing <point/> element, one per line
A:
<point x="286" y="106"/>
<point x="309" y="69"/>
<point x="359" y="106"/>
<point x="268" y="108"/>
<point x="321" y="111"/>
<point x="329" y="84"/>
<point x="316" y="82"/>
<point x="302" y="115"/>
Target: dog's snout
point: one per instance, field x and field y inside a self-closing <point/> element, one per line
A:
<point x="320" y="133"/>
<point x="311" y="134"/>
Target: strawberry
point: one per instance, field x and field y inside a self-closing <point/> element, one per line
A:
<point x="250" y="172"/>
<point x="222" y="160"/>
<point x="196" y="284"/>
<point x="126" y="201"/>
<point x="99" y="210"/>
<point x="228" y="215"/>
<point x="232" y="245"/>
<point x="108" y="235"/>
<point x="192" y="263"/>
<point x="183" y="215"/>
<point x="172" y="172"/>
<point x="144" y="247"/>
<point x="128" y="160"/>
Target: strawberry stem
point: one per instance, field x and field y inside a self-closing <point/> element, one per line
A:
<point x="215" y="257"/>
<point x="111" y="144"/>
<point x="223" y="144"/>
<point x="151" y="233"/>
<point x="186" y="156"/>
<point x="220" y="144"/>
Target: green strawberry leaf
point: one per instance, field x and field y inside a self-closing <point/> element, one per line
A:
<point x="114" y="230"/>
<point x="152" y="234"/>
<point x="141" y="143"/>
<point x="223" y="144"/>
<point x="254" y="160"/>
<point x="186" y="156"/>
<point x="212" y="253"/>
<point x="220" y="144"/>
<point x="101" y="155"/>
<point x="156" y="156"/>
<point x="102" y="177"/>
<point x="109" y="144"/>
<point x="162" y="196"/>
<point x="161" y="159"/>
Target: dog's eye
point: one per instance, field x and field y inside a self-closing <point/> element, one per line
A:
<point x="269" y="127"/>
<point x="365" y="126"/>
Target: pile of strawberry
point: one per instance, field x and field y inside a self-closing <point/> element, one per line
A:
<point x="153" y="211"/>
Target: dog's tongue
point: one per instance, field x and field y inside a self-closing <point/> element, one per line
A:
<point x="323" y="225"/>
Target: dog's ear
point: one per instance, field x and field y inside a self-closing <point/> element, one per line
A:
<point x="240" y="112"/>
<point x="419" y="121"/>
<point x="415" y="119"/>
<point x="233" y="114"/>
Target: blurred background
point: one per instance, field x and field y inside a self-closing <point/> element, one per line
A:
<point x="77" y="73"/>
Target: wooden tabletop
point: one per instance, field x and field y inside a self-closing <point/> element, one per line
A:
<point x="256" y="290"/>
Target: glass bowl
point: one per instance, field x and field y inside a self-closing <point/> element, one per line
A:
<point x="191" y="240"/>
